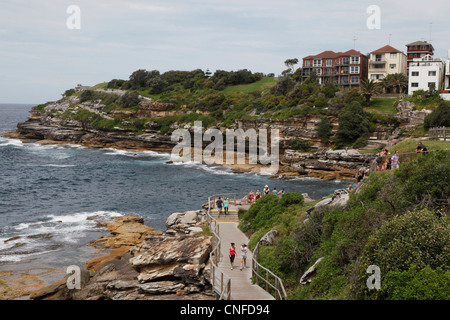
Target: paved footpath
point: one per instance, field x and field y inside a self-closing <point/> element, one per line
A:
<point x="241" y="285"/>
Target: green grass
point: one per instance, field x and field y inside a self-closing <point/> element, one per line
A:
<point x="380" y="105"/>
<point x="410" y="145"/>
<point x="263" y="84"/>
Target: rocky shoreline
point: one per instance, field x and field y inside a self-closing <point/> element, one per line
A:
<point x="53" y="126"/>
<point x="143" y="263"/>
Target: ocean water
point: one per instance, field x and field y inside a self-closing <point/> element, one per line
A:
<point x="52" y="196"/>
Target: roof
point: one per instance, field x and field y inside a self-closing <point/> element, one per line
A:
<point x="419" y="43"/>
<point x="387" y="49"/>
<point x="333" y="55"/>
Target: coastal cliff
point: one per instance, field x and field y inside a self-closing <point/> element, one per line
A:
<point x="90" y="124"/>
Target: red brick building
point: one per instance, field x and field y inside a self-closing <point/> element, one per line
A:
<point x="348" y="68"/>
<point x="418" y="49"/>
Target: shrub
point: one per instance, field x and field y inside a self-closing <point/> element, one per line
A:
<point x="419" y="237"/>
<point x="416" y="284"/>
<point x="300" y="145"/>
<point x="439" y="117"/>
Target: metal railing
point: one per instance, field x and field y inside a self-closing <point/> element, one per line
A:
<point x="220" y="282"/>
<point x="277" y="288"/>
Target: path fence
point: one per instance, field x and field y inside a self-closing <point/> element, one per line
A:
<point x="220" y="281"/>
<point x="272" y="283"/>
<point x="438" y="133"/>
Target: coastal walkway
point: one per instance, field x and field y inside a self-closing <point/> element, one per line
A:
<point x="232" y="284"/>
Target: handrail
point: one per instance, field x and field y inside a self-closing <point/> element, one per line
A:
<point x="224" y="293"/>
<point x="278" y="287"/>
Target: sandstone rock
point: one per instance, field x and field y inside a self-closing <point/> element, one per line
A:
<point x="269" y="237"/>
<point x="185" y="223"/>
<point x="125" y="231"/>
<point x="307" y="276"/>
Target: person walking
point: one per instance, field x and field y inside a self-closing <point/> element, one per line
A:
<point x="257" y="195"/>
<point x="225" y="206"/>
<point x="232" y="254"/>
<point x="251" y="197"/>
<point x="266" y="190"/>
<point x="243" y="256"/>
<point x="219" y="204"/>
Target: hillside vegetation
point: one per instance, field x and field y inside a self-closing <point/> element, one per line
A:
<point x="397" y="221"/>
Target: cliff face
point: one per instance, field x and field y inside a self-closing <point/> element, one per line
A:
<point x="68" y="120"/>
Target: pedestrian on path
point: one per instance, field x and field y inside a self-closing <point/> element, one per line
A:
<point x="232" y="254"/>
<point x="219" y="203"/>
<point x="225" y="205"/>
<point x="243" y="256"/>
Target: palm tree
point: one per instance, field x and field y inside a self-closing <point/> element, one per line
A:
<point x="368" y="89"/>
<point x="397" y="81"/>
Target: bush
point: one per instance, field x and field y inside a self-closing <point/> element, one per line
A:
<point x="300" y="145"/>
<point x="360" y="143"/>
<point x="353" y="123"/>
<point x="439" y="117"/>
<point x="416" y="284"/>
<point x="418" y="238"/>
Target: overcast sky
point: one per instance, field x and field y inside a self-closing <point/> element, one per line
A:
<point x="40" y="57"/>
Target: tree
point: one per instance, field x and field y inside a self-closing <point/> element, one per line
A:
<point x="439" y="117"/>
<point x="397" y="81"/>
<point x="324" y="129"/>
<point x="368" y="89"/>
<point x="353" y="123"/>
<point x="138" y="79"/>
<point x="290" y="63"/>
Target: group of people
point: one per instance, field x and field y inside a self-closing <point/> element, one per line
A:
<point x="222" y="204"/>
<point x="385" y="163"/>
<point x="232" y="255"/>
<point x="252" y="197"/>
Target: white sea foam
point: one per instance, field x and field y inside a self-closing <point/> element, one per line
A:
<point x="11" y="142"/>
<point x="59" y="165"/>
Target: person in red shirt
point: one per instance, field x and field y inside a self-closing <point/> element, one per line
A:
<point x="232" y="254"/>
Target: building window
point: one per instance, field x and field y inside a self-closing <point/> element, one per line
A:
<point x="355" y="60"/>
<point x="415" y="73"/>
<point x="329" y="63"/>
<point x="377" y="77"/>
<point x="414" y="84"/>
<point x="393" y="66"/>
<point x="354" y="79"/>
<point x="423" y="47"/>
<point x="432" y="73"/>
<point x="393" y="55"/>
<point x="354" y="70"/>
<point x="317" y="63"/>
<point x="431" y="84"/>
<point x="379" y="66"/>
<point x="318" y="71"/>
<point x="308" y="63"/>
<point x="345" y="60"/>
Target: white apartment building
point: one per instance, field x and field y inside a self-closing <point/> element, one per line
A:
<point x="446" y="90"/>
<point x="386" y="60"/>
<point x="424" y="72"/>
